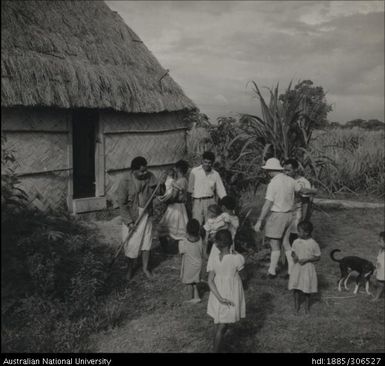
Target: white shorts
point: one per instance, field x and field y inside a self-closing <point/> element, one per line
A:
<point x="278" y="225"/>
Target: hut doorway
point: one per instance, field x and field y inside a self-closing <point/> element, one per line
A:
<point x="84" y="135"/>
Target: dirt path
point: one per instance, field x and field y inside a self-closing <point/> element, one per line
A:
<point x="346" y="203"/>
<point x="157" y="320"/>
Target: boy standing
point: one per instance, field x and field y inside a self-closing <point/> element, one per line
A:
<point x="205" y="185"/>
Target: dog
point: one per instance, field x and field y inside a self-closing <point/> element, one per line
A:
<point x="352" y="263"/>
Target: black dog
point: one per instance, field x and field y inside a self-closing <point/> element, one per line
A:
<point x="352" y="263"/>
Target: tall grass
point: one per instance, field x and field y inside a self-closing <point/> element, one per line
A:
<point x="357" y="157"/>
<point x="346" y="160"/>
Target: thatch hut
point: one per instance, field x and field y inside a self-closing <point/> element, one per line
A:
<point x="81" y="95"/>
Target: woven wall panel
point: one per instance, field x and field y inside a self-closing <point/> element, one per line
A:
<point x="46" y="190"/>
<point x="115" y="121"/>
<point x="33" y="119"/>
<point x="36" y="152"/>
<point x="157" y="149"/>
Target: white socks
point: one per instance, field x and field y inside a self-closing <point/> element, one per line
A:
<point x="290" y="262"/>
<point x="274" y="259"/>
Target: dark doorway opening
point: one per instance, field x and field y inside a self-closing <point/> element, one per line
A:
<point x="84" y="132"/>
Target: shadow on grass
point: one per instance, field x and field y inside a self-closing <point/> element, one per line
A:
<point x="242" y="337"/>
<point x="324" y="283"/>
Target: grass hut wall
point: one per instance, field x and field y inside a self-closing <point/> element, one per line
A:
<point x="81" y="95"/>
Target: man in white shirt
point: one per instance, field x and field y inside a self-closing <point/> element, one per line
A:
<point x="205" y="186"/>
<point x="279" y="204"/>
<point x="301" y="200"/>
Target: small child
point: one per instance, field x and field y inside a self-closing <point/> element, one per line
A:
<point x="380" y="270"/>
<point x="169" y="184"/>
<point x="228" y="215"/>
<point x="229" y="218"/>
<point x="215" y="222"/>
<point x="303" y="277"/>
<point x="192" y="253"/>
<point x="226" y="300"/>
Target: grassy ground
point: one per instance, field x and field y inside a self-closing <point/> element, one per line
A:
<point x="156" y="320"/>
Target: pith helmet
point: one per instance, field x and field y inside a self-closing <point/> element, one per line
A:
<point x="272" y="164"/>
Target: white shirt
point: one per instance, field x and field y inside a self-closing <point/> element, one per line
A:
<point x="281" y="191"/>
<point x="202" y="184"/>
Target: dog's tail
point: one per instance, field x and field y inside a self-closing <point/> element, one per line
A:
<point x="332" y="255"/>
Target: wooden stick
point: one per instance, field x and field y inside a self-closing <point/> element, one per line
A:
<point x="136" y="224"/>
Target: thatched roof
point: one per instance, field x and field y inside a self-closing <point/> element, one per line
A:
<point x="71" y="54"/>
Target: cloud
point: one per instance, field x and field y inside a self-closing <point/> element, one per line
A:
<point x="213" y="48"/>
<point x="221" y="99"/>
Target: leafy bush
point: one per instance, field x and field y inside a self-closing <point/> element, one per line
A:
<point x="54" y="276"/>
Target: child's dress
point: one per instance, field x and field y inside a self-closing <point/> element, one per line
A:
<point x="229" y="285"/>
<point x="174" y="221"/>
<point x="380" y="275"/>
<point x="191" y="260"/>
<point x="304" y="277"/>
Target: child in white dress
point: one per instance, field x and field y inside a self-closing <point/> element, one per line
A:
<point x="192" y="253"/>
<point x="303" y="277"/>
<point x="380" y="267"/>
<point x="226" y="300"/>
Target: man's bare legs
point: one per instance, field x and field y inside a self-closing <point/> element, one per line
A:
<point x="288" y="251"/>
<point x="130" y="268"/>
<point x="145" y="260"/>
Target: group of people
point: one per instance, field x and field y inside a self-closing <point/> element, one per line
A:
<point x="207" y="233"/>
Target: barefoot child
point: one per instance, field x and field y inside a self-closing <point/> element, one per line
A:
<point x="226" y="300"/>
<point x="303" y="277"/>
<point x="192" y="253"/>
<point x="380" y="270"/>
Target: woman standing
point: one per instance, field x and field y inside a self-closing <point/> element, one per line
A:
<point x="174" y="221"/>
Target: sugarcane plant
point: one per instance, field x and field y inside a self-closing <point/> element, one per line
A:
<point x="286" y="124"/>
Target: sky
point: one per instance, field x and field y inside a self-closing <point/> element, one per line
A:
<point x="213" y="50"/>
